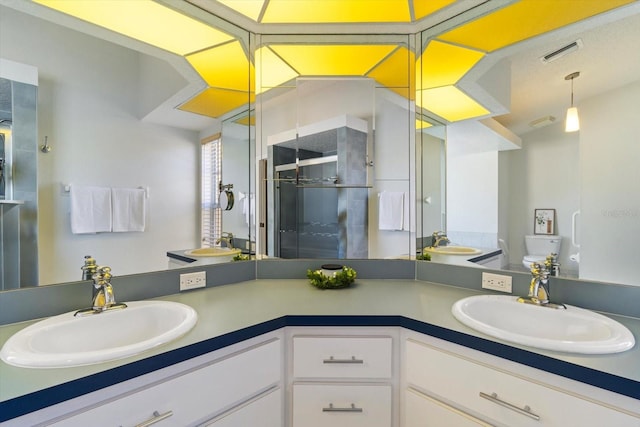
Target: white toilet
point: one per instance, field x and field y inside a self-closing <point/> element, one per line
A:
<point x="539" y="247"/>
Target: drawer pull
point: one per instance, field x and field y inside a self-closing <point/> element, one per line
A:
<point x="157" y="417"/>
<point x="352" y="408"/>
<point x="353" y="360"/>
<point x="493" y="397"/>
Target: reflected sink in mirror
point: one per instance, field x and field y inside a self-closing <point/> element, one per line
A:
<point x="218" y="254"/>
<point x="67" y="340"/>
<point x="452" y="250"/>
<point x="574" y="330"/>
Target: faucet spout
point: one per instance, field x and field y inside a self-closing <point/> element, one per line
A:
<point x="439" y="237"/>
<point x="539" y="288"/>
<point x="104" y="298"/>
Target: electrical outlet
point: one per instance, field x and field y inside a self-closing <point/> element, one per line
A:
<point x="193" y="280"/>
<point x="496" y="282"/>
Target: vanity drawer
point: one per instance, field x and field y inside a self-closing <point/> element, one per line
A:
<point x="196" y="395"/>
<point x="342" y="357"/>
<point x="482" y="389"/>
<point x="341" y="405"/>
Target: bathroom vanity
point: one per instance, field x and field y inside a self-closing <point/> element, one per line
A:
<point x="282" y="351"/>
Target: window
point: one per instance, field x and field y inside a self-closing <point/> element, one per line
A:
<point x="211" y="175"/>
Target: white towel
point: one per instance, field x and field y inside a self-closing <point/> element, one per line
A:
<point x="129" y="209"/>
<point x="391" y="210"/>
<point x="90" y="209"/>
<point x="248" y="208"/>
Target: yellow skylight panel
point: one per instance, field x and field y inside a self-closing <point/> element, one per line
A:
<point x="450" y="103"/>
<point x="421" y="124"/>
<point x="271" y="71"/>
<point x="332" y="60"/>
<point x="249" y="8"/>
<point x="146" y="21"/>
<point x="393" y="71"/>
<point x="336" y="11"/>
<point x="213" y="102"/>
<point x="524" y="19"/>
<point x="444" y="64"/>
<point x="225" y="66"/>
<point x="422" y="8"/>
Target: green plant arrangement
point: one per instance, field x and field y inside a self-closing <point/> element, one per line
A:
<point x="341" y="279"/>
<point x="424" y="256"/>
<point x="241" y="257"/>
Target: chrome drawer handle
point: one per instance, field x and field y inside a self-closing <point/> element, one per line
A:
<point x="353" y="360"/>
<point x="352" y="408"/>
<point x="493" y="397"/>
<point x="157" y="417"/>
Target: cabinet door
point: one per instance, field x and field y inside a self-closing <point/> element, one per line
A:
<point x="341" y="405"/>
<point x="424" y="411"/>
<point x="265" y="411"/>
<point x="505" y="397"/>
<point x="193" y="396"/>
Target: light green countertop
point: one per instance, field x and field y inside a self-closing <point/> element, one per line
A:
<point x="229" y="308"/>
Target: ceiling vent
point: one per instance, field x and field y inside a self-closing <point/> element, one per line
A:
<point x="542" y="121"/>
<point x="564" y="50"/>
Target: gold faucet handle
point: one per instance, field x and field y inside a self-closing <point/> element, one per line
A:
<point x="102" y="276"/>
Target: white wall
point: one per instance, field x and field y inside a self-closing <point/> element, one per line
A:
<point x="88" y="106"/>
<point x="544" y="174"/>
<point x="610" y="198"/>
<point x="472" y="198"/>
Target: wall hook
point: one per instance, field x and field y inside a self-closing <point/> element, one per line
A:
<point x="45" y="148"/>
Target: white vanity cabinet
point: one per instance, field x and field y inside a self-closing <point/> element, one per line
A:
<point x="446" y="380"/>
<point x="342" y="377"/>
<point x="234" y="387"/>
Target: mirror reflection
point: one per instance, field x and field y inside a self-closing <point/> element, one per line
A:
<point x="98" y="111"/>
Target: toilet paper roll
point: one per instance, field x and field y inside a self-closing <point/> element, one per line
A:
<point x="575" y="257"/>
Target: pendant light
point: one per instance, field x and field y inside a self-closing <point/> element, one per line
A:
<point x="572" y="123"/>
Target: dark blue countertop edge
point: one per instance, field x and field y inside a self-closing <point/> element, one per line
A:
<point x="22" y="405"/>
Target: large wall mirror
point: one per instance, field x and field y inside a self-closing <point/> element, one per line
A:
<point x="393" y="186"/>
<point x="586" y="177"/>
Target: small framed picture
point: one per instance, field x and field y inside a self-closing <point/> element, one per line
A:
<point x="544" y="221"/>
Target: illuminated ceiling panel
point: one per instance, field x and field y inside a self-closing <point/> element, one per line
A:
<point x="395" y="73"/>
<point x="336" y="11"/>
<point x="144" y="20"/>
<point x="246" y="120"/>
<point x="249" y="8"/>
<point x="332" y="60"/>
<point x="444" y="64"/>
<point x="271" y="71"/>
<point x="450" y="103"/>
<point x="225" y="66"/>
<point x="421" y="124"/>
<point x="215" y="102"/>
<point x="525" y="19"/>
<point x="424" y="8"/>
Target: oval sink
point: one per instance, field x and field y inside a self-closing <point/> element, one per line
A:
<point x="226" y="253"/>
<point x="67" y="340"/>
<point x="452" y="250"/>
<point x="574" y="330"/>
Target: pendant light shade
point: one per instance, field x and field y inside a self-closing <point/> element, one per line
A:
<point x="572" y="122"/>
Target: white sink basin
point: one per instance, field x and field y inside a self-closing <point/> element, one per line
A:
<point x="574" y="330"/>
<point x="66" y="340"/>
<point x="452" y="250"/>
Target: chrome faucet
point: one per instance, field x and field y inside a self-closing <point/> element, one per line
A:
<point x="539" y="288"/>
<point x="227" y="238"/>
<point x="104" y="298"/>
<point x="552" y="264"/>
<point x="439" y="237"/>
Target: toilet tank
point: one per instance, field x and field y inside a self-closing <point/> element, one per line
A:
<point x="542" y="244"/>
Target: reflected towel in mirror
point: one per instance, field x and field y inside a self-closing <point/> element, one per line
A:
<point x="90" y="209"/>
<point x="391" y="210"/>
<point x="129" y="209"/>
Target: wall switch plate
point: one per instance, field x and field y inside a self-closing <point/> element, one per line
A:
<point x="496" y="282"/>
<point x="193" y="280"/>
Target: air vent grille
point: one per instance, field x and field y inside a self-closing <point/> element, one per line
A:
<point x="564" y="50"/>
